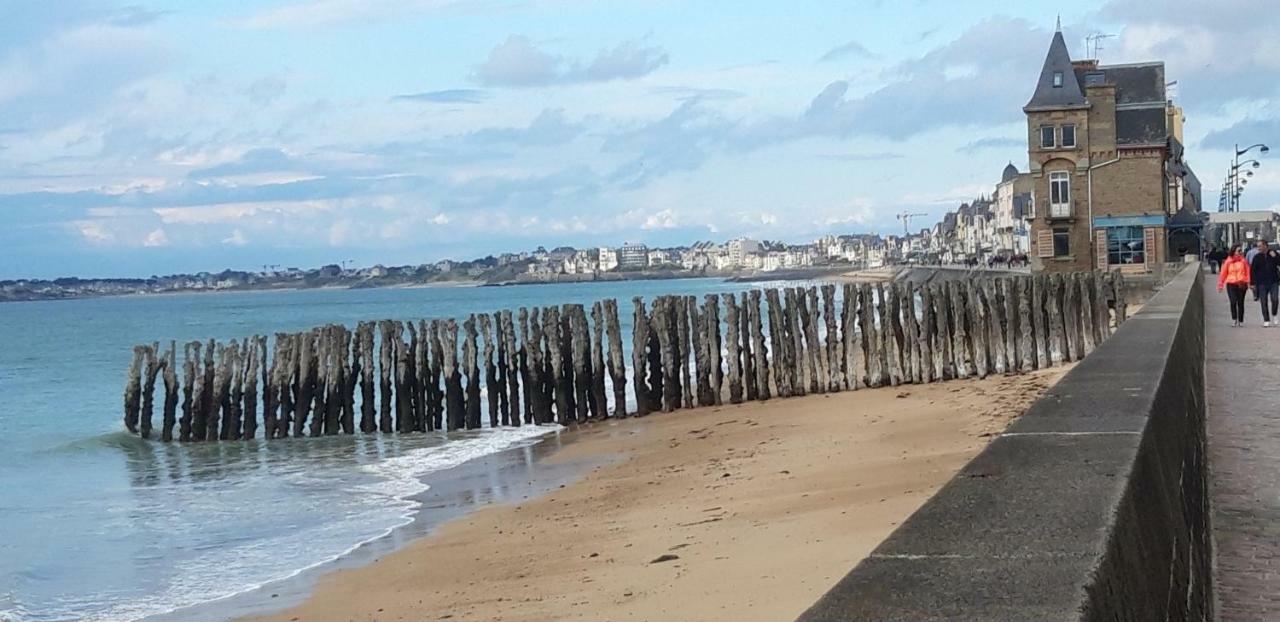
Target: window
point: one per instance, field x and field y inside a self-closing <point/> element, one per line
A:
<point x="1046" y="136"/>
<point x="1126" y="245"/>
<point x="1069" y="136"/>
<point x="1059" y="195"/>
<point x="1057" y="79"/>
<point x="1061" y="242"/>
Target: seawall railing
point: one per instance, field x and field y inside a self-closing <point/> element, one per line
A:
<point x="1092" y="506"/>
<point x="559" y="363"/>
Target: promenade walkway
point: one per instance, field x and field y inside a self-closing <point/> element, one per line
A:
<point x="1243" y="399"/>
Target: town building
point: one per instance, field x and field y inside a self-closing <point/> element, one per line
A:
<point x="1014" y="205"/>
<point x="1106" y="163"/>
<point x="633" y="256"/>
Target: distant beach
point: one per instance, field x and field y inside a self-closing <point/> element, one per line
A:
<point x="735" y="512"/>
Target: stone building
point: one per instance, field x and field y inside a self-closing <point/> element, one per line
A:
<point x="1014" y="206"/>
<point x="1106" y="164"/>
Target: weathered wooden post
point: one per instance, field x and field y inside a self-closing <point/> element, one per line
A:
<point x="662" y="325"/>
<point x="435" y="373"/>
<point x="319" y="377"/>
<point x="513" y="379"/>
<point x="911" y="334"/>
<point x="528" y="383"/>
<point x="1071" y="316"/>
<point x="834" y="355"/>
<point x="1009" y="299"/>
<point x="997" y="326"/>
<point x="685" y="337"/>
<point x="848" y="336"/>
<point x="386" y="361"/>
<point x="617" y="367"/>
<point x="874" y="373"/>
<point x="734" y="345"/>
<point x="817" y="353"/>
<point x="750" y="391"/>
<point x="1058" y="352"/>
<point x="413" y="373"/>
<point x="133" y="390"/>
<point x="928" y="364"/>
<point x="1040" y="321"/>
<point x="639" y="356"/>
<point x="758" y="350"/>
<point x="716" y="376"/>
<point x="964" y="360"/>
<point x="777" y="341"/>
<point x="599" y="404"/>
<point x="1026" y="325"/>
<point x="539" y="407"/>
<point x="151" y="363"/>
<point x="987" y="353"/>
<point x="249" y="419"/>
<point x="797" y="358"/>
<point x="1088" y="334"/>
<point x="218" y="397"/>
<point x="1122" y="304"/>
<point x="580" y="340"/>
<point x="490" y="370"/>
<point x="698" y="337"/>
<point x="945" y="367"/>
<point x="472" y="370"/>
<point x="455" y="401"/>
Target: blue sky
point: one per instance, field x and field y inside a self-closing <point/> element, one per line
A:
<point x="162" y="137"/>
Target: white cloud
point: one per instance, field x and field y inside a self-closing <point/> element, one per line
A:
<point x="665" y="219"/>
<point x="236" y="239"/>
<point x="156" y="238"/>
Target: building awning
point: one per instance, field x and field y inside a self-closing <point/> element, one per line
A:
<point x="1128" y="221"/>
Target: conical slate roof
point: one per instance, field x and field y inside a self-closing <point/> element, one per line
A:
<point x="1057" y="63"/>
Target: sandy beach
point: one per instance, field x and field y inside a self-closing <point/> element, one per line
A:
<point x="746" y="512"/>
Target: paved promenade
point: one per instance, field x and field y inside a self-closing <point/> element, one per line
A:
<point x="1243" y="388"/>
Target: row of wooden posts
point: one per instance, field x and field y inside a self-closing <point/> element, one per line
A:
<point x="538" y="366"/>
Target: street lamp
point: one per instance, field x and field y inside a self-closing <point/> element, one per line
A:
<point x="1235" y="165"/>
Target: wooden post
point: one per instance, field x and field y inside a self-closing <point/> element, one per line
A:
<point x="1088" y="333"/>
<point x="1009" y="300"/>
<point x="985" y="331"/>
<point x="1071" y="317"/>
<point x="797" y="358"/>
<point x="1122" y="305"/>
<point x="849" y="336"/>
<point x="1026" y="325"/>
<point x="911" y="328"/>
<point x="1058" y="351"/>
<point x="190" y="362"/>
<point x="490" y="370"/>
<point x="151" y="363"/>
<point x="455" y="402"/>
<point x="715" y="371"/>
<point x="133" y="390"/>
<point x="873" y="373"/>
<point x="698" y="339"/>
<point x="684" y="331"/>
<point x="511" y="380"/>
<point x="810" y="321"/>
<point x="758" y="349"/>
<point x="402" y="371"/>
<point x="434" y="363"/>
<point x="928" y="364"/>
<point x="599" y="403"/>
<point x="639" y="356"/>
<point x="1101" y="316"/>
<point x="536" y="396"/>
<point x="834" y="355"/>
<point x="170" y="392"/>
<point x="580" y="341"/>
<point x="777" y="334"/>
<point x="386" y="362"/>
<point x="472" y="371"/>
<point x="750" y="390"/>
<point x="528" y="381"/>
<point x="663" y="324"/>
<point x="249" y="419"/>
<point x="1040" y="321"/>
<point x="616" y="365"/>
<point x="734" y="345"/>
<point x="945" y="367"/>
<point x="996" y="326"/>
<point x="964" y="359"/>
<point x="319" y="410"/>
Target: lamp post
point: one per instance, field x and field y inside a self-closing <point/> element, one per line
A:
<point x="1235" y="166"/>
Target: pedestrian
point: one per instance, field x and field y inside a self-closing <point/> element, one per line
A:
<point x="1264" y="272"/>
<point x="1234" y="277"/>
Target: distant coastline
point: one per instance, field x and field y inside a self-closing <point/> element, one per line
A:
<point x="76" y="289"/>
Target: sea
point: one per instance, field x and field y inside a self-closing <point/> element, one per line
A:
<point x="96" y="524"/>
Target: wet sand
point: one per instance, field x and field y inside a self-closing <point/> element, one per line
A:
<point x="734" y="512"/>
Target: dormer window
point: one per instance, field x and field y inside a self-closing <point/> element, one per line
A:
<point x="1057" y="79"/>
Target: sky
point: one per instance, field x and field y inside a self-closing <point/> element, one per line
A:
<point x="179" y="136"/>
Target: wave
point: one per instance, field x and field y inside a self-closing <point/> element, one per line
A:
<point x="381" y="500"/>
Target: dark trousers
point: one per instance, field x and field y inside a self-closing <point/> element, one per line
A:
<point x="1235" y="293"/>
<point x="1269" y="296"/>
<point x="1213" y="266"/>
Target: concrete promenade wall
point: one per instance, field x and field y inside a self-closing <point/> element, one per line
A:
<point x="1092" y="506"/>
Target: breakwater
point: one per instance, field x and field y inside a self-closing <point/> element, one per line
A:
<point x="561" y="363"/>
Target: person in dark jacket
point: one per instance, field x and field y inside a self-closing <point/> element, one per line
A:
<point x="1265" y="272"/>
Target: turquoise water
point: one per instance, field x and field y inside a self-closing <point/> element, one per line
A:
<point x="99" y="525"/>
